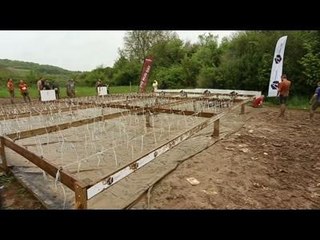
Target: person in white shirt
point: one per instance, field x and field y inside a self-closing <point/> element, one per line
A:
<point x="155" y="85"/>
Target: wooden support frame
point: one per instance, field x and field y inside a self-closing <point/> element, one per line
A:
<point x="181" y="112"/>
<point x="81" y="195"/>
<point x="65" y="177"/>
<point x="83" y="191"/>
<point x="210" y="92"/>
<point x="131" y="167"/>
<point x="62" y="126"/>
<point x="132" y="110"/>
<point x="47" y="112"/>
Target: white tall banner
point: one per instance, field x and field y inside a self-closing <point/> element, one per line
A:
<point x="277" y="64"/>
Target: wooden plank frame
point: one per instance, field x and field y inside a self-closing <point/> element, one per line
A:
<point x="132" y="110"/>
<point x="62" y="126"/>
<point x="84" y="191"/>
<point x="131" y="167"/>
<point x="65" y="177"/>
<point x="46" y="112"/>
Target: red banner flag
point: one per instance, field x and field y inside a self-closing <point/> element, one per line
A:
<point x="145" y="74"/>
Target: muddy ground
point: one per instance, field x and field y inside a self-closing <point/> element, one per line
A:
<point x="270" y="163"/>
<point x="14" y="196"/>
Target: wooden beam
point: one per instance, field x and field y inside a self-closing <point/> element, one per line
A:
<point x="66" y="178"/>
<point x="107" y="104"/>
<point x="46" y="112"/>
<point x="81" y="196"/>
<point x="62" y="126"/>
<point x="181" y="112"/>
<point x="55" y="128"/>
<point x="223" y="92"/>
<point x="3" y="155"/>
<point x="216" y="130"/>
<point x="243" y="108"/>
<point x="147" y="115"/>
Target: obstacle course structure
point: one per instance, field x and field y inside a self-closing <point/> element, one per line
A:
<point x="90" y="144"/>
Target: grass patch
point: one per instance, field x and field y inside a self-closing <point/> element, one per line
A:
<point x="6" y="179"/>
<point x="80" y="91"/>
<point x="293" y="102"/>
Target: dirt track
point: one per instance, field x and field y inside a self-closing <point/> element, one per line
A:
<point x="268" y="164"/>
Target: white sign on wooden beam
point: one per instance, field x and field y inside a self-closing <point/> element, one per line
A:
<point x="102" y="91"/>
<point x="47" y="95"/>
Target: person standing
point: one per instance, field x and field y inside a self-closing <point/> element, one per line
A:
<point x="71" y="89"/>
<point x="283" y="93"/>
<point x="46" y="85"/>
<point x="155" y="85"/>
<point x="56" y="88"/>
<point x="98" y="84"/>
<point x="24" y="91"/>
<point x="40" y="84"/>
<point x="315" y="101"/>
<point x="10" y="86"/>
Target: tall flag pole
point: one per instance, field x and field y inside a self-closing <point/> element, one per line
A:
<point x="277" y="64"/>
<point x="145" y="74"/>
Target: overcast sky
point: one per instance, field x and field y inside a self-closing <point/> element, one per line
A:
<point x="73" y="50"/>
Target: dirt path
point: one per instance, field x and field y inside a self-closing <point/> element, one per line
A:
<point x="269" y="164"/>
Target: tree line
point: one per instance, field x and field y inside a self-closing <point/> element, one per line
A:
<point x="242" y="61"/>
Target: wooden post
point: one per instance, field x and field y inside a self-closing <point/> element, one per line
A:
<point x="216" y="129"/>
<point x="3" y="156"/>
<point x="81" y="196"/>
<point x="242" y="108"/>
<point x="127" y="101"/>
<point x="147" y="114"/>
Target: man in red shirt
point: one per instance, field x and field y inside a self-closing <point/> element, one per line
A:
<point x="10" y="87"/>
<point x="283" y="93"/>
<point x="24" y="91"/>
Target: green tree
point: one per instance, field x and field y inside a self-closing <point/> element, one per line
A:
<point x="137" y="44"/>
<point x="172" y="77"/>
<point x="207" y="59"/>
<point x="311" y="60"/>
<point x="126" y="72"/>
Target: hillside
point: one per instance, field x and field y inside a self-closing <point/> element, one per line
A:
<point x="32" y="71"/>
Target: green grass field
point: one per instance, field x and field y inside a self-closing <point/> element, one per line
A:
<point x="294" y="102"/>
<point x="80" y="91"/>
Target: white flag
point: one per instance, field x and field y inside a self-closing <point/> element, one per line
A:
<point x="277" y="64"/>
